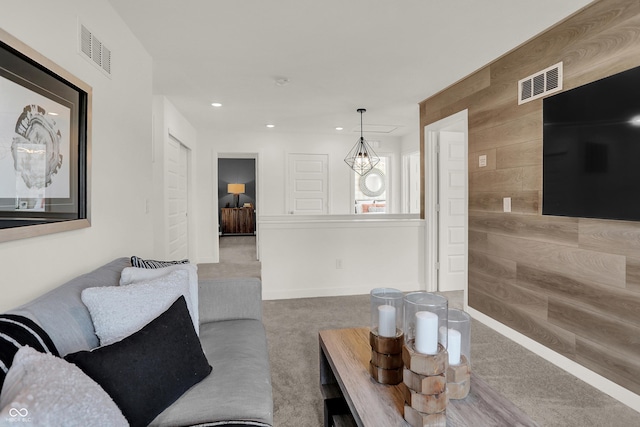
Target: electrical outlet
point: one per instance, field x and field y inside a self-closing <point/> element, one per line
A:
<point x="506" y="204"/>
<point x="338" y="263"/>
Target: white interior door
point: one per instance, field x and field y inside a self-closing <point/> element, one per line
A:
<point x="446" y="204"/>
<point x="308" y="184"/>
<point x="453" y="211"/>
<point x="177" y="199"/>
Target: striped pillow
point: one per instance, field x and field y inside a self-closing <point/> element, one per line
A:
<point x="16" y="332"/>
<point x="150" y="263"/>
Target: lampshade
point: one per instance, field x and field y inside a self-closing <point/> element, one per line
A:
<point x="362" y="158"/>
<point x="235" y="188"/>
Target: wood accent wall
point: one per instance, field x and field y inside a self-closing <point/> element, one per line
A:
<point x="571" y="284"/>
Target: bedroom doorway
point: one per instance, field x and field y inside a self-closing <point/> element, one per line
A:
<point x="238" y="198"/>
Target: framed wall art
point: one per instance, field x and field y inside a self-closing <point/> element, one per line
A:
<point x="44" y="144"/>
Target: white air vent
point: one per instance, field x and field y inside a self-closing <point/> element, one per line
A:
<point x="93" y="50"/>
<point x="540" y="84"/>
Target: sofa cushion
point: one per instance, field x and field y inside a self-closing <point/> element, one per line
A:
<point x="238" y="391"/>
<point x="119" y="311"/>
<point x="17" y="331"/>
<point x="147" y="371"/>
<point x="151" y="263"/>
<point x="131" y="275"/>
<point x="61" y="313"/>
<point x="44" y="390"/>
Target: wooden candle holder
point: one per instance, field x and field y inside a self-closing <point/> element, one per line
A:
<point x="425" y="364"/>
<point x="386" y="345"/>
<point x="386" y="358"/>
<point x="424" y="384"/>
<point x="425" y="403"/>
<point x="459" y="379"/>
<point x="419" y="419"/>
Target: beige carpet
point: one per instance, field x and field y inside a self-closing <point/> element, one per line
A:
<point x="546" y="393"/>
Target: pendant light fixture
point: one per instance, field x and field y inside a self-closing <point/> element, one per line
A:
<point x="362" y="158"/>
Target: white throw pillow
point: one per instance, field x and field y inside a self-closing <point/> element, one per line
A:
<point x="119" y="311"/>
<point x="131" y="275"/>
<point x="44" y="390"/>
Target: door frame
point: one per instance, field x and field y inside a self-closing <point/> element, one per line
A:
<point x="235" y="155"/>
<point x="459" y="122"/>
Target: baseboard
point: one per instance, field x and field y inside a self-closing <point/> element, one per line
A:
<point x="596" y="380"/>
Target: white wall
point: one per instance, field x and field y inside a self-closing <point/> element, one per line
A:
<point x="339" y="255"/>
<point x="121" y="175"/>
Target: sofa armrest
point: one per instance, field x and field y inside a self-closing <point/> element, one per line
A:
<point x="229" y="299"/>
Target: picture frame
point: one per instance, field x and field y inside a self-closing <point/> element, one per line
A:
<point x="45" y="128"/>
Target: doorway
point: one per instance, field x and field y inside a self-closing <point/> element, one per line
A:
<point x="446" y="208"/>
<point x="238" y="213"/>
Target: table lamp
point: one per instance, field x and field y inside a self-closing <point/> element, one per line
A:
<point x="236" y="190"/>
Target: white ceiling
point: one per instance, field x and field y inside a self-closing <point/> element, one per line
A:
<point x="339" y="55"/>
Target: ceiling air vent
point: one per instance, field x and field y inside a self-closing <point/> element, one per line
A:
<point x="94" y="51"/>
<point x="540" y="84"/>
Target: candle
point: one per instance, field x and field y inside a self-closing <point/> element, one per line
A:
<point x="454" y="341"/>
<point x="386" y="321"/>
<point x="426" y="332"/>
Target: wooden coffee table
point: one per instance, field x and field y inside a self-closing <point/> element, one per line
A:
<point x="352" y="397"/>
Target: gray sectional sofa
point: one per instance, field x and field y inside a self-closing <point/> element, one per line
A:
<point x="237" y="392"/>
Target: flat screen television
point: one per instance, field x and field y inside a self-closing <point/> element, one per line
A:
<point x="591" y="150"/>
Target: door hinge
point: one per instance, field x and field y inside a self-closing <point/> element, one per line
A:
<point x="438" y="207"/>
<point x="437" y="266"/>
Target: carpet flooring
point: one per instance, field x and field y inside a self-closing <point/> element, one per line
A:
<point x="549" y="395"/>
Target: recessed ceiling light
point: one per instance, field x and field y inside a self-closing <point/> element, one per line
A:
<point x="271" y="126"/>
<point x="216" y="104"/>
<point x="339" y="128"/>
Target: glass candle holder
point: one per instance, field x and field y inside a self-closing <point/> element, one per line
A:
<point x="459" y="337"/>
<point x="386" y="312"/>
<point x="425" y="321"/>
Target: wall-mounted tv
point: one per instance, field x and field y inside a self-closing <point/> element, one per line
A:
<point x="591" y="150"/>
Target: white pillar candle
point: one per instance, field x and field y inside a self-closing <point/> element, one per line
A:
<point x="426" y="332"/>
<point x="454" y="341"/>
<point x="386" y="321"/>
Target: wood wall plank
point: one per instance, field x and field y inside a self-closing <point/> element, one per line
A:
<point x="526" y="128"/>
<point x="633" y="274"/>
<point x="545" y="333"/>
<point x="544" y="228"/>
<point x="620" y="336"/>
<point x="619" y="368"/>
<point x="621" y="304"/>
<point x="496" y="180"/>
<point x="506" y="291"/>
<point x="525" y="154"/>
<point x="523" y="202"/>
<point x="573" y="262"/>
<point x="474" y="165"/>
<point x="492" y="265"/>
<point x="617" y="237"/>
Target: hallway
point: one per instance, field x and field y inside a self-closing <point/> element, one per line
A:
<point x="237" y="259"/>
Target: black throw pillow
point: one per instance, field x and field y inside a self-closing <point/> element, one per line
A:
<point x="17" y="331"/>
<point x="150" y="369"/>
<point x="152" y="263"/>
